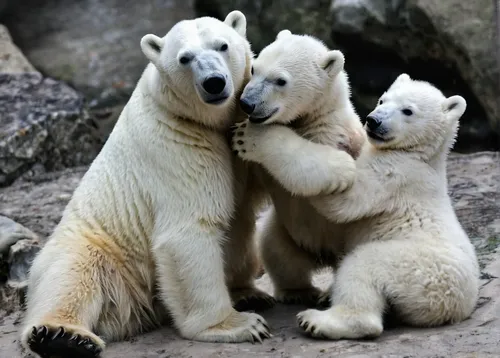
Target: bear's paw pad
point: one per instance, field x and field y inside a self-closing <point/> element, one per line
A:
<point x="252" y="300"/>
<point x="51" y="342"/>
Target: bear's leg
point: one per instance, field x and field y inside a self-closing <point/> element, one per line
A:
<point x="64" y="303"/>
<point x="289" y="267"/>
<point x="426" y="285"/>
<point x="242" y="264"/>
<point x="192" y="283"/>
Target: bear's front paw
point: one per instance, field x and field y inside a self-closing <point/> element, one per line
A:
<point x="245" y="140"/>
<point x="345" y="174"/>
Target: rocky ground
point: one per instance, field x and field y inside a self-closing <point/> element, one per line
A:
<point x="37" y="202"/>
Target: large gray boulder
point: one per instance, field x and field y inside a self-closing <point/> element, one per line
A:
<point x="42" y="121"/>
<point x="92" y="45"/>
<point x="12" y="59"/>
<point x="449" y="43"/>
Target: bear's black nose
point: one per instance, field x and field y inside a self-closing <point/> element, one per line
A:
<point x="214" y="84"/>
<point x="246" y="106"/>
<point x="373" y="122"/>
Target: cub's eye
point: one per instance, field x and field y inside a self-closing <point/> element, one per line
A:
<point x="280" y="82"/>
<point x="407" y="112"/>
<point x="380" y="102"/>
<point x="223" y="48"/>
<point x="251" y="71"/>
<point x="184" y="60"/>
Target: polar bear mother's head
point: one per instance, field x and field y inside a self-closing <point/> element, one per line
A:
<point x="202" y="62"/>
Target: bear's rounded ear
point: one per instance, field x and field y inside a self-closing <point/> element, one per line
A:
<point x="237" y="21"/>
<point x="402" y="78"/>
<point x="333" y="62"/>
<point x="454" y="107"/>
<point x="283" y="33"/>
<point x="151" y="46"/>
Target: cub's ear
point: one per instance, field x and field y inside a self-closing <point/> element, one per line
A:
<point x="237" y="21"/>
<point x="283" y="33"/>
<point x="454" y="107"/>
<point x="151" y="46"/>
<point x="402" y="78"/>
<point x="332" y="62"/>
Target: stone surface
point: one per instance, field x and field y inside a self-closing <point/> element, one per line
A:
<point x="92" y="44"/>
<point x="449" y="43"/>
<point x="18" y="247"/>
<point x="42" y="121"/>
<point x="12" y="59"/>
<point x="474" y="182"/>
<point x="12" y="232"/>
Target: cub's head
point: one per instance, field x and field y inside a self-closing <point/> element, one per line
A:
<point x="202" y="63"/>
<point x="414" y="116"/>
<point x="288" y="78"/>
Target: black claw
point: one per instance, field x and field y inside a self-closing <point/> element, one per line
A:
<point x="235" y="152"/>
<point x="313" y="328"/>
<point x="74" y="337"/>
<point x="59" y="333"/>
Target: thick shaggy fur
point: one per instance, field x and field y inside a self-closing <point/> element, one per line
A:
<point x="298" y="82"/>
<point x="404" y="246"/>
<point x="147" y="228"/>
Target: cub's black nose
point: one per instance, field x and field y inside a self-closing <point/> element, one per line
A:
<point x="214" y="84"/>
<point x="246" y="106"/>
<point x="373" y="122"/>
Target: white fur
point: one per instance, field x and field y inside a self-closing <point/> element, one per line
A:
<point x="153" y="211"/>
<point x="313" y="103"/>
<point x="404" y="246"/>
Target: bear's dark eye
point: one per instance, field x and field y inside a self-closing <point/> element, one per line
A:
<point x="280" y="82"/>
<point x="380" y="102"/>
<point x="251" y="71"/>
<point x="184" y="60"/>
<point x="223" y="48"/>
<point x="407" y="112"/>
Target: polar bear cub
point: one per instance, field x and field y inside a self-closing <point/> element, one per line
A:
<point x="404" y="248"/>
<point x="299" y="82"/>
<point x="145" y="229"/>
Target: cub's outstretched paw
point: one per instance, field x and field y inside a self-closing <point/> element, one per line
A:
<point x="245" y="140"/>
<point x="251" y="299"/>
<point x="340" y="323"/>
<point x="59" y="341"/>
<point x="238" y="327"/>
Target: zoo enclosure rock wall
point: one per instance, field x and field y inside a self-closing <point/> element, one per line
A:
<point x="449" y="43"/>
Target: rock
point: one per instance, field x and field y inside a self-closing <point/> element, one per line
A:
<point x="11" y="58"/>
<point x="92" y="45"/>
<point x="12" y="232"/>
<point x="474" y="181"/>
<point x="18" y="247"/>
<point x="43" y="121"/>
<point x="449" y="43"/>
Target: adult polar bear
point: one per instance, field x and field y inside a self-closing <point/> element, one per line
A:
<point x="405" y="247"/>
<point x="154" y="208"/>
<point x="298" y="82"/>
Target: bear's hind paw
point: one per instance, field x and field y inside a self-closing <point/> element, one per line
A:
<point x="59" y="341"/>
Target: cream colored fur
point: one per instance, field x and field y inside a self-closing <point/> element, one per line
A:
<point x="404" y="246"/>
<point x="147" y="228"/>
<point x="313" y="103"/>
